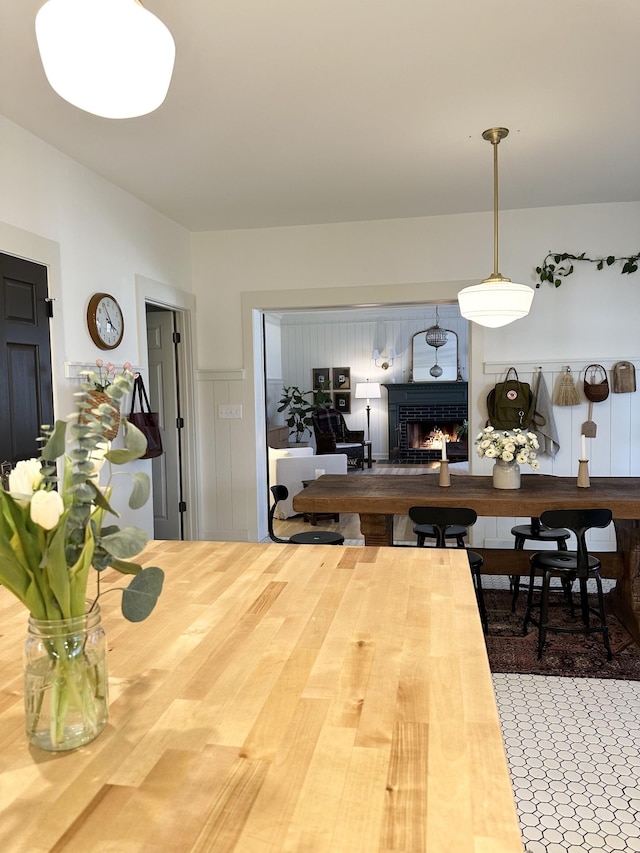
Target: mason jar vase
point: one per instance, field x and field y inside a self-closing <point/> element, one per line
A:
<point x="65" y="681"/>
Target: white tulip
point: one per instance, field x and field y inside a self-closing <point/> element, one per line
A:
<point x="25" y="478"/>
<point x="46" y="509"/>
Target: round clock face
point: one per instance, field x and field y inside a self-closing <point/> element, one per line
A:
<point x="105" y="321"/>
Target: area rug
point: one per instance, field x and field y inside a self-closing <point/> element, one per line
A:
<point x="572" y="655"/>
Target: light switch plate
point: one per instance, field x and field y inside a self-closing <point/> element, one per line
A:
<point x="230" y="410"/>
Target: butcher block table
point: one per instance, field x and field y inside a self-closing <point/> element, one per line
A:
<point x="279" y="698"/>
<point x="379" y="497"/>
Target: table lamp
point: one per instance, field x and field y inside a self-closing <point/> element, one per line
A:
<point x="369" y="391"/>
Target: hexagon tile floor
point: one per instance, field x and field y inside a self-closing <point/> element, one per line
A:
<point x="573" y="747"/>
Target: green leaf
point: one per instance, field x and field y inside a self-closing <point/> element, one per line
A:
<point x="141" y="490"/>
<point x="79" y="572"/>
<point x="54" y="448"/>
<point x="99" y="499"/>
<point x="55" y="566"/>
<point x="125" y="543"/>
<point x="599" y="265"/>
<point x="134" y="439"/>
<point x="125" y="567"/>
<point x="12" y="574"/>
<point x="610" y="260"/>
<point x="141" y="596"/>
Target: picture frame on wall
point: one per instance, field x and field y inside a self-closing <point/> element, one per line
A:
<point x="342" y="402"/>
<point x="320" y="376"/>
<point x="342" y="378"/>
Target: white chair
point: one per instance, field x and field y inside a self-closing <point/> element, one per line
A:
<point x="290" y="467"/>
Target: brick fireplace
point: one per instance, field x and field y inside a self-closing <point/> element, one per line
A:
<point x="420" y="413"/>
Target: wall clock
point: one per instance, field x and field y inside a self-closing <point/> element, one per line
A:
<point x="105" y="321"/>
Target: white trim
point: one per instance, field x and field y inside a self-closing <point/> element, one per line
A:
<point x="40" y="250"/>
<point x="153" y="292"/>
<point x="256" y="303"/>
<point x="576" y="364"/>
<point x="220" y="376"/>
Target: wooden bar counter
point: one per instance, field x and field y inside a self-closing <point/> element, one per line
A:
<point x="279" y="698"/>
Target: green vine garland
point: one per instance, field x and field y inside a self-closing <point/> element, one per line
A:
<point x="558" y="265"/>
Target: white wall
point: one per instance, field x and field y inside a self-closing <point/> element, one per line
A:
<point x="592" y="317"/>
<point x="93" y="237"/>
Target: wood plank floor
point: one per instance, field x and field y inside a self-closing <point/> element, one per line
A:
<point x="349" y="524"/>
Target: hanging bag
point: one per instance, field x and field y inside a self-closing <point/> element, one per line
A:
<point x="145" y="420"/>
<point x="511" y="404"/>
<point x="596" y="384"/>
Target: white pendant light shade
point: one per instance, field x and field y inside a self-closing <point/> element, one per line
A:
<point x="497" y="300"/>
<point x="495" y="303"/>
<point x="112" y="58"/>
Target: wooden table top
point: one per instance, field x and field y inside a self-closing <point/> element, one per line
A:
<point x="279" y="698"/>
<point x="395" y="494"/>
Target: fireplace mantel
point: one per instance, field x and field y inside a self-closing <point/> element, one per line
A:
<point x="410" y="401"/>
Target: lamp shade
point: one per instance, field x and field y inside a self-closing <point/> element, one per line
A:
<point x="368" y="391"/>
<point x="112" y="58"/>
<point x="495" y="302"/>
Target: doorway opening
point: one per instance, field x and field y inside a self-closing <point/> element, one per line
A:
<point x="163" y="352"/>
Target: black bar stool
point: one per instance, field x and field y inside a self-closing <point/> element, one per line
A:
<point x="316" y="537"/>
<point x="428" y="531"/>
<point x="569" y="565"/>
<point x="538" y="533"/>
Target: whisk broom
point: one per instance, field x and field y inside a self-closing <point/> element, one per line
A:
<point x="567" y="393"/>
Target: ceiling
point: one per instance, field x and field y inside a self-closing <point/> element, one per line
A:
<point x="295" y="112"/>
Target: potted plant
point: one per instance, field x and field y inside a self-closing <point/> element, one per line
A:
<point x="322" y="397"/>
<point x="298" y="417"/>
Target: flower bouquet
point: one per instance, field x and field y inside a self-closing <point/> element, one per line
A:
<point x="52" y="532"/>
<point x="508" y="446"/>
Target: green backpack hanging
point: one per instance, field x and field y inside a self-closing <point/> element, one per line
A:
<point x="511" y="404"/>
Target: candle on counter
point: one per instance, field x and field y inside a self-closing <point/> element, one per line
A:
<point x="583" y="447"/>
<point x="444" y="449"/>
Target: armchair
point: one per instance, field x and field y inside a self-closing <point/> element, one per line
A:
<point x="333" y="436"/>
<point x="290" y="467"/>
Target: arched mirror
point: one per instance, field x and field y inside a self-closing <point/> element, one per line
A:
<point x="435" y="363"/>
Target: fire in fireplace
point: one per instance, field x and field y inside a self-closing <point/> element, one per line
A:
<point x="428" y="435"/>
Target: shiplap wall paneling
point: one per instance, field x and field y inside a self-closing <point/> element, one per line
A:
<point x="222" y="516"/>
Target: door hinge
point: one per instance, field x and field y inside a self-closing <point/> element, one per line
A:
<point x="179" y="423"/>
<point x="176" y="337"/>
<point x="49" y="303"/>
<point x="182" y="506"/>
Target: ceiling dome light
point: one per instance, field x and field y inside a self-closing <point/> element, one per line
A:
<point x="111" y="58"/>
<point x="497" y="300"/>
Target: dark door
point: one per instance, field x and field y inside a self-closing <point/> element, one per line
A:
<point x="26" y="388"/>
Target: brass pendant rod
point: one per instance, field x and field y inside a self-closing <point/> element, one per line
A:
<point x="494" y="135"/>
<point x="495" y="208"/>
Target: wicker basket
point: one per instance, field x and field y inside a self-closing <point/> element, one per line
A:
<point x="98" y="398"/>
